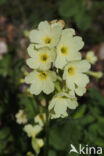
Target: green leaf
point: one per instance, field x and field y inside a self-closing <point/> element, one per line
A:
<point x="80" y="112"/>
<point x="66" y="8"/>
<point x="77" y="11"/>
<point x="96" y="97"/>
<point x="52" y="153"/>
<point x="61" y="136"/>
<point x="2" y="2"/>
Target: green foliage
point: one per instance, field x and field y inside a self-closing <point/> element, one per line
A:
<point x="84" y="125"/>
<point x="3" y="2"/>
<point x="5" y="65"/>
<point x="77" y="11"/>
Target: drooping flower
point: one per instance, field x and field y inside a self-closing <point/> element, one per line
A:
<point x="40" y="119"/>
<point x="75" y="76"/>
<point x="32" y="131"/>
<point x="68" y="48"/>
<point x="60" y="103"/>
<point x="21" y="117"/>
<point x="40" y="59"/>
<point x="91" y="58"/>
<point x="46" y="35"/>
<point x="41" y="81"/>
<point x="37" y="143"/>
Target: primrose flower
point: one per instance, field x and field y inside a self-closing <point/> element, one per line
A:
<point x="41" y="81"/>
<point x="68" y="48"/>
<point x="46" y="35"/>
<point x="32" y="131"/>
<point x="91" y="58"/>
<point x="75" y="76"/>
<point x="40" y="119"/>
<point x="41" y="59"/>
<point x="37" y="144"/>
<point x="57" y="66"/>
<point x="21" y="117"/>
<point x="60" y="103"/>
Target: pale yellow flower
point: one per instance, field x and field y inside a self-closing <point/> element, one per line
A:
<point x="68" y="48"/>
<point x="46" y="35"/>
<point x="91" y="58"/>
<point x="32" y="131"/>
<point x="37" y="144"/>
<point x="79" y="91"/>
<point x="75" y="76"/>
<point x="41" y="81"/>
<point x="40" y="59"/>
<point x="60" y="103"/>
<point x="21" y="117"/>
<point x="40" y="119"/>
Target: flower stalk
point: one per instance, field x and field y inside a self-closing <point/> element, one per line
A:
<point x="47" y="132"/>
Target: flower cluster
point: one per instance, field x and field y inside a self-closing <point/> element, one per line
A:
<point x="33" y="130"/>
<point x="55" y="57"/>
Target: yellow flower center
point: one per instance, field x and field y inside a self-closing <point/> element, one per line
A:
<point x="71" y="71"/>
<point x="47" y="40"/>
<point x="64" y="50"/>
<point x="43" y="57"/>
<point x="41" y="117"/>
<point x="89" y="58"/>
<point x="42" y="76"/>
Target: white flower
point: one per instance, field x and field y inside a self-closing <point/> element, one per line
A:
<point x="41" y="81"/>
<point x="40" y="119"/>
<point x="59" y="104"/>
<point x="41" y="59"/>
<point x="75" y="76"/>
<point x="68" y="48"/>
<point x="21" y="117"/>
<point x="46" y="35"/>
<point x="37" y="144"/>
<point x="32" y="131"/>
<point x="91" y="58"/>
<point x="79" y="91"/>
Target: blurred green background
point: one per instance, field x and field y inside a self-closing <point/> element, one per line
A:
<point x="83" y="126"/>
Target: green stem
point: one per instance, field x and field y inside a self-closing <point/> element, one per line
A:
<point x="47" y="132"/>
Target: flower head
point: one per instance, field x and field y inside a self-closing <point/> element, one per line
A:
<point x="40" y="119"/>
<point x="68" y="48"/>
<point x="21" y="117"/>
<point x="59" y="104"/>
<point x="41" y="81"/>
<point x="46" y="35"/>
<point x="37" y="144"/>
<point x="91" y="58"/>
<point x="32" y="131"/>
<point x="41" y="58"/>
<point x="75" y="76"/>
